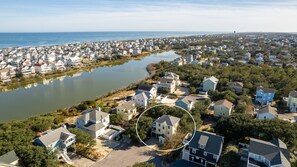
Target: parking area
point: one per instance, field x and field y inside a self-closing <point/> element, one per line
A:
<point x="125" y="155"/>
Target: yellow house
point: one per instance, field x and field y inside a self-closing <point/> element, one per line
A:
<point x="128" y="110"/>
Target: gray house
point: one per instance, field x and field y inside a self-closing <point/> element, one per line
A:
<point x="9" y="159"/>
<point x="58" y="139"/>
<point x="210" y="84"/>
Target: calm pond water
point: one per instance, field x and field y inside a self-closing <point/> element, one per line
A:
<point x="48" y="97"/>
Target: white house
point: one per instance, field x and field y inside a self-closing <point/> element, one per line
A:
<point x="42" y="68"/>
<point x="149" y="90"/>
<point x="169" y="82"/>
<point x="210" y="84"/>
<point x="128" y="110"/>
<point x="93" y="121"/>
<point x="141" y="100"/>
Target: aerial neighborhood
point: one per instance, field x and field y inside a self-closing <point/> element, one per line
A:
<point x="232" y="86"/>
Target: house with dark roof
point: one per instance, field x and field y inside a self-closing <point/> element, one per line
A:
<point x="202" y="148"/>
<point x="9" y="159"/>
<point x="57" y="139"/>
<point x="268" y="154"/>
<point x="237" y="86"/>
<point x="93" y="121"/>
<point x="292" y="101"/>
<point x="149" y="90"/>
<point x="165" y="127"/>
<point x="264" y="96"/>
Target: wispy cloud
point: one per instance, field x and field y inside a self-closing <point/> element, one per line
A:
<point x="175" y="15"/>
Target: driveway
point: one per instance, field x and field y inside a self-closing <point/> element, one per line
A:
<point x="125" y="155"/>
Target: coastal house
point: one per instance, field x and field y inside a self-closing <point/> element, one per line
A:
<point x="237" y="86"/>
<point x="59" y="65"/>
<point x="165" y="127"/>
<point x="169" y="82"/>
<point x="128" y="110"/>
<point x="57" y="139"/>
<point x="74" y="61"/>
<point x="187" y="102"/>
<point x="93" y="121"/>
<point x="202" y="148"/>
<point x="267" y="112"/>
<point x="210" y="84"/>
<point x="264" y="96"/>
<point x="292" y="101"/>
<point x="10" y="159"/>
<point x="4" y="74"/>
<point x="149" y="90"/>
<point x="42" y="68"/>
<point x="269" y="154"/>
<point x="223" y="108"/>
<point x="247" y="56"/>
<point x="141" y="100"/>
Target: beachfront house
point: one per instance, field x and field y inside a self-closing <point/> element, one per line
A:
<point x="93" y="121"/>
<point x="203" y="149"/>
<point x="264" y="96"/>
<point x="141" y="100"/>
<point x="292" y="101"/>
<point x="210" y="84"/>
<point x="4" y="74"/>
<point x="165" y="127"/>
<point x="128" y="110"/>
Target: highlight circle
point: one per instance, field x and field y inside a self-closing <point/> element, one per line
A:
<point x="168" y="150"/>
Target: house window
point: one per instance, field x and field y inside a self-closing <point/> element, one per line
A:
<point x="205" y="153"/>
<point x="159" y="124"/>
<point x="159" y="130"/>
<point x="168" y="127"/>
<point x="167" y="132"/>
<point x="194" y="150"/>
<point x="202" y="146"/>
<point x="163" y="127"/>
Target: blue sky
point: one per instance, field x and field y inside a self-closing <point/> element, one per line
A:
<point x="153" y="15"/>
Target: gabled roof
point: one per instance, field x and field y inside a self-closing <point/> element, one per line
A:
<point x="275" y="151"/>
<point x="266" y="90"/>
<point x="293" y="94"/>
<point x="170" y="120"/>
<point x="211" y="141"/>
<point x="55" y="135"/>
<point x="268" y="109"/>
<point x="128" y="105"/>
<point x="224" y="102"/>
<point x="9" y="157"/>
<point x="212" y="78"/>
<point x="188" y="99"/>
<point x="141" y="95"/>
<point x="93" y="114"/>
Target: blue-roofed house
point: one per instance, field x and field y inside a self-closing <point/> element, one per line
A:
<point x="264" y="96"/>
<point x="204" y="149"/>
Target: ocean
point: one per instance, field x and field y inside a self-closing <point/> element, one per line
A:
<point x="44" y="39"/>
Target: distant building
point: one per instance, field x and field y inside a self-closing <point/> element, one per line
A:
<point x="292" y="101"/>
<point x="267" y="112"/>
<point x="149" y="90"/>
<point x="165" y="127"/>
<point x="187" y="102"/>
<point x="223" y="108"/>
<point x="210" y="84"/>
<point x="141" y="100"/>
<point x="264" y="96"/>
<point x="204" y="149"/>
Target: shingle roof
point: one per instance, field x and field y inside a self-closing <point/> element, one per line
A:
<point x="213" y="143"/>
<point x="293" y="93"/>
<point x="94" y="127"/>
<point x="275" y="151"/>
<point x="128" y="105"/>
<point x="170" y="120"/>
<point x="266" y="90"/>
<point x="94" y="114"/>
<point x="55" y="135"/>
<point x="224" y="102"/>
<point x="236" y="84"/>
<point x="189" y="99"/>
<point x="9" y="157"/>
<point x="268" y="109"/>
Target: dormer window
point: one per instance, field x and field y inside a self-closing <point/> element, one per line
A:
<point x="202" y="146"/>
<point x="194" y="150"/>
